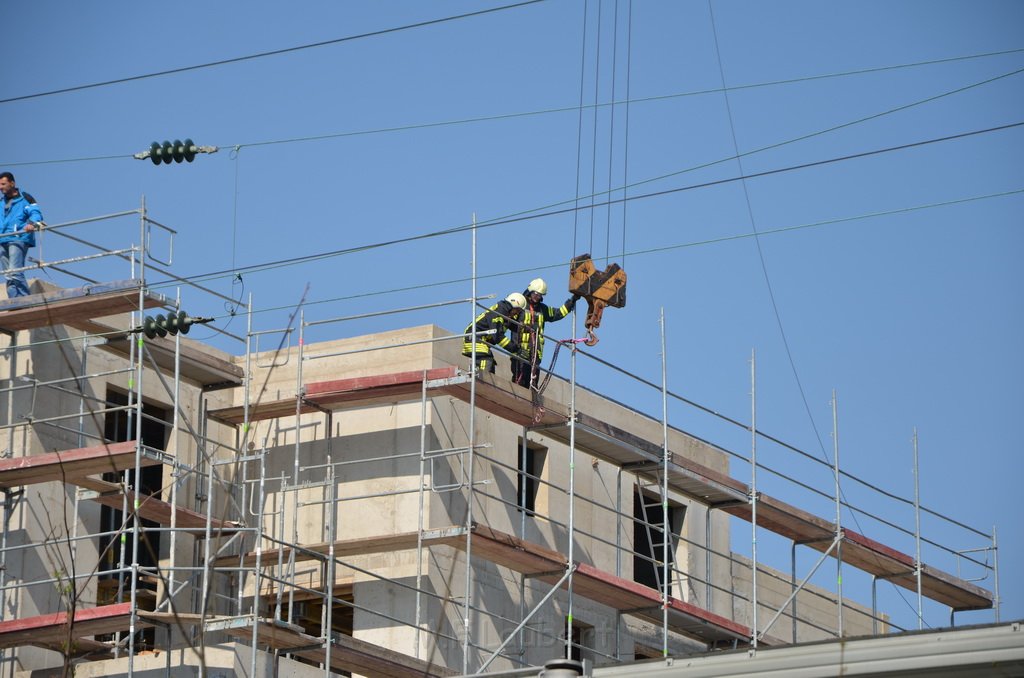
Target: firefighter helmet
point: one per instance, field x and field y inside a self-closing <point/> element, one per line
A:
<point x="517" y="300"/>
<point x="539" y="286"/>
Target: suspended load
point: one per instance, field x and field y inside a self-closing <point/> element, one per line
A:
<point x="599" y="288"/>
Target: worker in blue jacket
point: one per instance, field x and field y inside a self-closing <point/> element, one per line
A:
<point x="21" y="219"/>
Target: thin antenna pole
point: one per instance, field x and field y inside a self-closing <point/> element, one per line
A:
<point x="753" y="493"/>
<point x="839" y="526"/>
<point x="917" y="533"/>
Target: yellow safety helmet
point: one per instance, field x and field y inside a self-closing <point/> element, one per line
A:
<point x="539" y="286"/>
<point x="517" y="300"/>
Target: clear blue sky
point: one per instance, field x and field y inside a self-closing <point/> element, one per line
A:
<point x="909" y="308"/>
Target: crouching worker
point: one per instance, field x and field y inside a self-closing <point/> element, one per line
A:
<point x="499" y="318"/>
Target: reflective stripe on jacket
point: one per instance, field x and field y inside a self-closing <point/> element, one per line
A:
<point x="534" y="317"/>
<point x="495" y="318"/>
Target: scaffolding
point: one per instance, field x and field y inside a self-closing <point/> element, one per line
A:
<point x="369" y="505"/>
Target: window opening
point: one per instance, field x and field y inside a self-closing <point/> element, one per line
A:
<point x="648" y="538"/>
<point x="110" y="582"/>
<point x="530" y="466"/>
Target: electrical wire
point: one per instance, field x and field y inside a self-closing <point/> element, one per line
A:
<point x="527" y="217"/>
<point x="593" y="142"/>
<point x="275" y="52"/>
<point x="580" y="108"/>
<point x="649" y="251"/>
<point x="579" y="128"/>
<point x="625" y="145"/>
<point x="235" y="271"/>
<point x="611" y="130"/>
<point x="757" y="241"/>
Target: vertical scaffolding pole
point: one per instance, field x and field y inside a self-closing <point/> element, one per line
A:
<point x="295" y="462"/>
<point x="175" y="424"/>
<point x="81" y="443"/>
<point x="618" y="551"/>
<point x="917" y="534"/>
<point x="572" y="494"/>
<point x="11" y="497"/>
<point x="472" y="446"/>
<point x="665" y="524"/>
<point x="522" y="535"/>
<point x="839" y="526"/>
<point x="995" y="570"/>
<point x="246" y="386"/>
<point x="753" y="493"/>
<point x="419" y="527"/>
<point x="792" y="582"/>
<point x="244" y="449"/>
<point x="332" y="536"/>
<point x="708" y="588"/>
<point x="258" y="567"/>
<point x="136" y="522"/>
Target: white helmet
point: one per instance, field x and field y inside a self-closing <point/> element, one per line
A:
<point x="517" y="300"/>
<point x="539" y="286"/>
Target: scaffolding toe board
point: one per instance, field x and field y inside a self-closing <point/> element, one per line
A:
<point x="69" y="465"/>
<point x="53" y="630"/>
<point x="75" y="306"/>
<point x="605" y="588"/>
<point x="535" y="560"/>
<point x="152" y="508"/>
<point x="644" y="602"/>
<point x="347" y="653"/>
<point x="718" y="490"/>
<point x="347" y="548"/>
<point x="197" y="363"/>
<point x="494" y="395"/>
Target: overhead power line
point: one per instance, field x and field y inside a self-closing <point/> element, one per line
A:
<point x="275" y="52"/>
<point x="641" y="252"/>
<point x="567" y="210"/>
<point x="581" y="107"/>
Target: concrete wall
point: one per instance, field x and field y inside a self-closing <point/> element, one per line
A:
<point x="816" y="608"/>
<point x="49" y="410"/>
<point x="229" y="660"/>
<point x="358" y="473"/>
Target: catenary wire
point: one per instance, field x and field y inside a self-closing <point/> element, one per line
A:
<point x="775" y="306"/>
<point x="579" y="108"/>
<point x="667" y="248"/>
<point x="527" y="217"/>
<point x="625" y="141"/>
<point x="694" y="244"/>
<point x="611" y="129"/>
<point x="593" y="141"/>
<point x="275" y="52"/>
<point x="579" y="128"/>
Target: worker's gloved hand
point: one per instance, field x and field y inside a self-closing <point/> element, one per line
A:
<point x="571" y="301"/>
<point x="513" y="347"/>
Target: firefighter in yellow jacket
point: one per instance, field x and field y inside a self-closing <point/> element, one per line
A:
<point x="526" y="364"/>
<point x="499" y="317"/>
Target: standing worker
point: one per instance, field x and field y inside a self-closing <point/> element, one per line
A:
<point x="21" y="218"/>
<point x="500" y="317"/>
<point x="526" y="365"/>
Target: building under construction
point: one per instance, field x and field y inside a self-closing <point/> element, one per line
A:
<point x="371" y="506"/>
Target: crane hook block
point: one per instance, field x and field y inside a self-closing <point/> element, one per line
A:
<point x="599" y="288"/>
